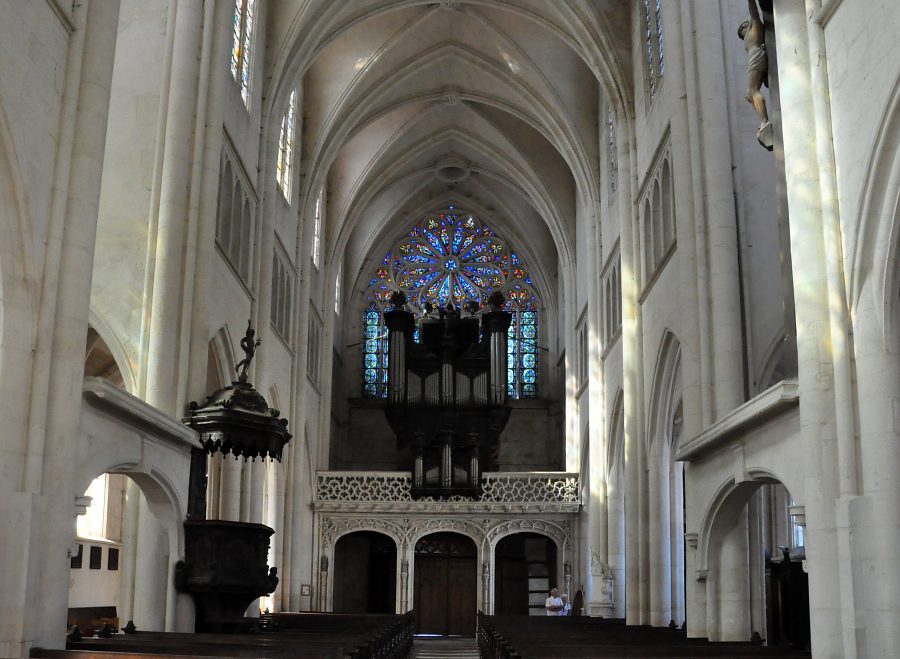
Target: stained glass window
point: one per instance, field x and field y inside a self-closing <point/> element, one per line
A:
<point x="285" y="162"/>
<point x="375" y="354"/>
<point x="611" y="155"/>
<point x="451" y="256"/>
<point x="244" y="22"/>
<point x="337" y="290"/>
<point x="659" y="37"/>
<point x="651" y="66"/>
<point x="317" y="228"/>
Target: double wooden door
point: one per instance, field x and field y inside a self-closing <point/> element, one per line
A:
<point x="445" y="585"/>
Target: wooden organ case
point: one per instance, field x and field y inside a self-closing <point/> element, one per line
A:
<point x="447" y="393"/>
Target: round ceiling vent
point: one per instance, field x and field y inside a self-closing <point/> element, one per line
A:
<point x="452" y="169"/>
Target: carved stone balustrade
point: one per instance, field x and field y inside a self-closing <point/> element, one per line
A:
<point x="503" y="492"/>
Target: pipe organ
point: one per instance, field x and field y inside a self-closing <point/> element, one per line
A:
<point x="447" y="393"/>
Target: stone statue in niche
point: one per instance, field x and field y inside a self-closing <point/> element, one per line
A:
<point x="753" y="33"/>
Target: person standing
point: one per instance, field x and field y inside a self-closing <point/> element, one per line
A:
<point x="554" y="604"/>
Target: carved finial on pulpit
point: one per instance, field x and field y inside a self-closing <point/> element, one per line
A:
<point x="249" y="346"/>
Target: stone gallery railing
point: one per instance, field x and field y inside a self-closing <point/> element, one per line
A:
<point x="530" y="488"/>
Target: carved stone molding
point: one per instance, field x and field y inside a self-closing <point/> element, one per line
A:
<point x="331" y="528"/>
<point x="423" y="527"/>
<point x="485" y="532"/>
<point x="504" y="493"/>
<point x="691" y="539"/>
<point x="561" y="530"/>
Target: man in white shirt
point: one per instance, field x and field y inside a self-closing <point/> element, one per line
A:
<point x="554" y="604"/>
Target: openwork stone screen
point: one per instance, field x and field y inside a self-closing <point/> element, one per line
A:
<point x="499" y="487"/>
<point x="452" y="257"/>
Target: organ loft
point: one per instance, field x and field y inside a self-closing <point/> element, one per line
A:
<point x="447" y="392"/>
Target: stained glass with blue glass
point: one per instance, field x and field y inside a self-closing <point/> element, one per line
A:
<point x="451" y="256"/>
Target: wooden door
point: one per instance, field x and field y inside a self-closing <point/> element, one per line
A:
<point x="445" y="585"/>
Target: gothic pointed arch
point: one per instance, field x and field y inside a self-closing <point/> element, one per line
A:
<point x="665" y="393"/>
<point x="875" y="251"/>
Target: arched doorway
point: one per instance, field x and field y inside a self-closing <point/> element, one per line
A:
<point x="786" y="582"/>
<point x="365" y="573"/>
<point x="524" y="572"/>
<point x="107" y="584"/>
<point x="446" y="583"/>
<point x="753" y="556"/>
<point x="130" y="479"/>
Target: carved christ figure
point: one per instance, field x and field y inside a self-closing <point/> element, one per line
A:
<point x="753" y="34"/>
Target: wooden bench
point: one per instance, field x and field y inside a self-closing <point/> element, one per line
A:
<point x="91" y="618"/>
<point x="312" y="636"/>
<point x="518" y="637"/>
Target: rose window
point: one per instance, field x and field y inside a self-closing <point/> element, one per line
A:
<point x="451" y="257"/>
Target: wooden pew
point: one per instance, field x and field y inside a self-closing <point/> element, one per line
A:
<point x="312" y="636"/>
<point x="511" y="637"/>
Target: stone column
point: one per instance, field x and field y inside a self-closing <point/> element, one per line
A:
<point x="404" y="586"/>
<point x="734" y="584"/>
<point x="695" y="590"/>
<point x="616" y="535"/>
<point x="151" y="571"/>
<point x="167" y="348"/>
<point x="632" y="359"/>
<point x="676" y="536"/>
<point x="716" y="216"/>
<point x="44" y="514"/>
<point x="230" y="489"/>
<point x="323" y="584"/>
<point x="660" y="540"/>
<point x="275" y="491"/>
<point x="817" y="342"/>
<point x="873" y="517"/>
<point x="756" y="565"/>
<point x="162" y="359"/>
<point x="128" y="565"/>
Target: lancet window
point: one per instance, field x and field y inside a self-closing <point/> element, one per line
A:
<point x="612" y="161"/>
<point x="317" y="228"/>
<point x="451" y="257"/>
<point x="243" y="28"/>
<point x="285" y="163"/>
<point x="654" y="59"/>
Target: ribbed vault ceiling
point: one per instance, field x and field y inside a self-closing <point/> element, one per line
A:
<point x="391" y="90"/>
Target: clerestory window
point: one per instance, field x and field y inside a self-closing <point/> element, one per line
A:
<point x="284" y="166"/>
<point x="243" y="28"/>
<point x="654" y="59"/>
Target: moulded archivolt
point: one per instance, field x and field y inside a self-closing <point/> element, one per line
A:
<point x="333" y="528"/>
<point x="466" y="527"/>
<point x="560" y="531"/>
